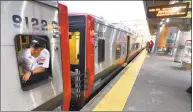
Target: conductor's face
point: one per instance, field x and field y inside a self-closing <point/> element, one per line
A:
<point x="35" y="51"/>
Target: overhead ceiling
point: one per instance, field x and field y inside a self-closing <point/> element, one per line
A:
<point x="184" y="24"/>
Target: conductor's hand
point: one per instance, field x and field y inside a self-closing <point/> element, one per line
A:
<point x="26" y="76"/>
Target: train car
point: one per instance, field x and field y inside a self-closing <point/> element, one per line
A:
<point x="98" y="51"/>
<point x="20" y="21"/>
<point x="134" y="40"/>
<point x="135" y="46"/>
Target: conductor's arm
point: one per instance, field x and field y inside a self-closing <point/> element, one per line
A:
<point x="33" y="72"/>
<point x="38" y="70"/>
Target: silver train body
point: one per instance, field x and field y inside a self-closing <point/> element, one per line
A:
<point x="113" y="48"/>
<point x="113" y="36"/>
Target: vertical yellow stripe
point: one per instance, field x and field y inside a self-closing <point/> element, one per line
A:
<point x="116" y="98"/>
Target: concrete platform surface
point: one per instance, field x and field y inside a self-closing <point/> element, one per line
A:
<point x="158" y="85"/>
<point x="161" y="86"/>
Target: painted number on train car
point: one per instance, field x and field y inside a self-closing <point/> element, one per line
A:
<point x="17" y="21"/>
<point x="100" y="34"/>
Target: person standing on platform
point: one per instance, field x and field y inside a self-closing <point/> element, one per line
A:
<point x="147" y="45"/>
<point x="150" y="46"/>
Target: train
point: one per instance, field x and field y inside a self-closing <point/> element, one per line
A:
<point x="86" y="52"/>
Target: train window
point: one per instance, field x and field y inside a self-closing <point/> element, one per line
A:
<point x="134" y="46"/>
<point x="34" y="62"/>
<point x="118" y="51"/>
<point x="74" y="39"/>
<point x="101" y="50"/>
<point x="137" y="45"/>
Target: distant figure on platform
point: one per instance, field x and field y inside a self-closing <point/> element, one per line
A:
<point x="150" y="46"/>
<point x="147" y="45"/>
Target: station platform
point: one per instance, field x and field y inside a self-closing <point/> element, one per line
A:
<point x="148" y="83"/>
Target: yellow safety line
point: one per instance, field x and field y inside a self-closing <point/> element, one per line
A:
<point x="116" y="98"/>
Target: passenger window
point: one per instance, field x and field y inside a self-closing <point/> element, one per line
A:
<point x="74" y="39"/>
<point x="134" y="46"/>
<point x="118" y="51"/>
<point x="33" y="52"/>
<point x="101" y="50"/>
<point x="137" y="45"/>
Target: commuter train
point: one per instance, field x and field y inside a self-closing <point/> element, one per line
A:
<point x="85" y="53"/>
<point x="98" y="50"/>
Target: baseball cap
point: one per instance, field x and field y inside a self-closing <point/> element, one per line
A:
<point x="37" y="42"/>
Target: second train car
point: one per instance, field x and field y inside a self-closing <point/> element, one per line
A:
<point x="98" y="51"/>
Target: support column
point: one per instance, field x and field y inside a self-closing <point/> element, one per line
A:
<point x="183" y="36"/>
<point x="156" y="41"/>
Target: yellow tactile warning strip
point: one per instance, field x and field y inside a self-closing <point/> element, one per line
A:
<point x="116" y="98"/>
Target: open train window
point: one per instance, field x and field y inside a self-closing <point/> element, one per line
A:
<point x="74" y="39"/>
<point x="118" y="51"/>
<point x="101" y="50"/>
<point x="134" y="46"/>
<point x="34" y="61"/>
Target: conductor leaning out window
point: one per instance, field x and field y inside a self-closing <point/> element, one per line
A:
<point x="35" y="59"/>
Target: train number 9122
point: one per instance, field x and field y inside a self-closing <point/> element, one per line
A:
<point x="17" y="21"/>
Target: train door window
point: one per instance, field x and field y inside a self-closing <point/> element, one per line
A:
<point x="34" y="60"/>
<point x="74" y="39"/>
<point x="128" y="44"/>
<point x="133" y="46"/>
<point x="137" y="45"/>
<point x="101" y="50"/>
<point x="118" y="51"/>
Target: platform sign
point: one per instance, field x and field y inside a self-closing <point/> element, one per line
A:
<point x="189" y="15"/>
<point x="167" y="11"/>
<point x="188" y="1"/>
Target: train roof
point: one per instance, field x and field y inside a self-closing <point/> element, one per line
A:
<point x="50" y="3"/>
<point x="102" y="21"/>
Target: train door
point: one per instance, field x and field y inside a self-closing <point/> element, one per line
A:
<point x="77" y="41"/>
<point x="63" y="19"/>
<point x="128" y="47"/>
